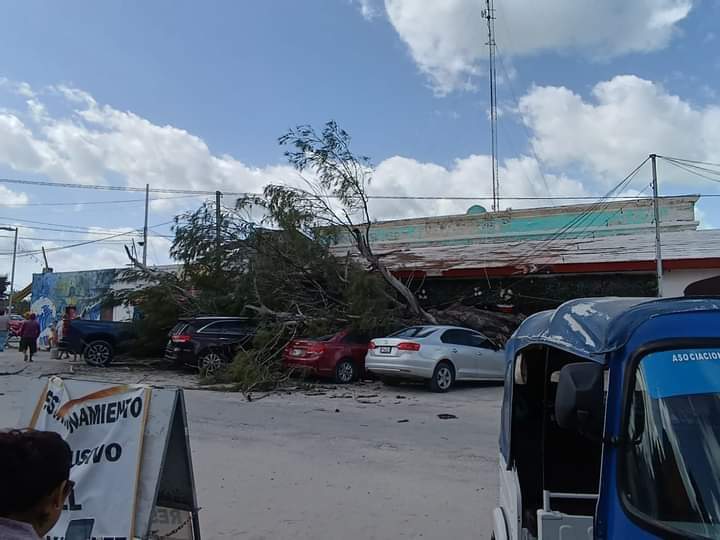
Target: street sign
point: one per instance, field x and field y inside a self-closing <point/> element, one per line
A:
<point x="131" y="460"/>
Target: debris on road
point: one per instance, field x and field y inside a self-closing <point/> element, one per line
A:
<point x="445" y="416"/>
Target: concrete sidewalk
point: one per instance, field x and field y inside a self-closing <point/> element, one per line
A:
<point x="120" y="371"/>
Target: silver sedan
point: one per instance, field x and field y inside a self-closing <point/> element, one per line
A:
<point x="439" y="354"/>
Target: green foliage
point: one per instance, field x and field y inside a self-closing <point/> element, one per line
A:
<point x="274" y="259"/>
<point x="259" y="367"/>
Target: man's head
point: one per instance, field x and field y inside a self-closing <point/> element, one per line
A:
<point x="35" y="473"/>
<point x="33" y="316"/>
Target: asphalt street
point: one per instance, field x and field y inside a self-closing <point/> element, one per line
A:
<point x="359" y="462"/>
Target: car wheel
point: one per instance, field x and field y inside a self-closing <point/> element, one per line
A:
<point x="345" y="372"/>
<point x="98" y="353"/>
<point x="443" y="377"/>
<point x="212" y="362"/>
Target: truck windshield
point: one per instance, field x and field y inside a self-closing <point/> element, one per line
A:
<point x="672" y="458"/>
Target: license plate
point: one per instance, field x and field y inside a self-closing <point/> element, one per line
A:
<point x="297" y="352"/>
<point x="385" y="350"/>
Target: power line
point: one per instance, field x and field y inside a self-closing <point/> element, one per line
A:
<point x="580" y="218"/>
<point x="70" y="227"/>
<point x="691" y="161"/>
<point x="30" y="253"/>
<point x="67" y="231"/>
<point x="44" y="239"/>
<point x="691" y="171"/>
<point x="93" y="203"/>
<point x="376" y="197"/>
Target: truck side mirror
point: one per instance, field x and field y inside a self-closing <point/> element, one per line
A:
<point x="579" y="399"/>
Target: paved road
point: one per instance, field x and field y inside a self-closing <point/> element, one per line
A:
<point x="331" y="466"/>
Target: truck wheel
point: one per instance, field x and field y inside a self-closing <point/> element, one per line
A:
<point x="98" y="353"/>
<point x="443" y="377"/>
<point x="345" y="372"/>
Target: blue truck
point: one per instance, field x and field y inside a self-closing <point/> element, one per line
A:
<point x="610" y="424"/>
<point x="97" y="341"/>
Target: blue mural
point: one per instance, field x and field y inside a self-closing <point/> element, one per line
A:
<point x="52" y="292"/>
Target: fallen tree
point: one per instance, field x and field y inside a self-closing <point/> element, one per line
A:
<point x="496" y="326"/>
<point x="271" y="257"/>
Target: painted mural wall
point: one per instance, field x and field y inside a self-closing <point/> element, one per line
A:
<point x="52" y="292"/>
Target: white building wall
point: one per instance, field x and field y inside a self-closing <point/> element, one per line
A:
<point x="675" y="281"/>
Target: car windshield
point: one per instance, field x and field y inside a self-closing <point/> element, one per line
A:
<point x="673" y="455"/>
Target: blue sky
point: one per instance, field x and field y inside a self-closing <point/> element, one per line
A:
<point x="191" y="94"/>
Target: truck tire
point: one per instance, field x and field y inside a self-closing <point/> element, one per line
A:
<point x="98" y="353"/>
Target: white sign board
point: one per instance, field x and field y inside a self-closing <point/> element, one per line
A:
<point x="131" y="459"/>
<point x="105" y="431"/>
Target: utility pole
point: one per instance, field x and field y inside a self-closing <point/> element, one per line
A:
<point x="218" y="219"/>
<point x="47" y="266"/>
<point x="145" y="228"/>
<point x="489" y="14"/>
<point x="12" y="273"/>
<point x="656" y="209"/>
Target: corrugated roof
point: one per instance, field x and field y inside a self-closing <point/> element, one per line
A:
<point x="531" y="256"/>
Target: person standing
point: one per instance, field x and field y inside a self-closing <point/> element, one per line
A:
<point x="29" y="334"/>
<point x="4" y="329"/>
<point x="35" y="472"/>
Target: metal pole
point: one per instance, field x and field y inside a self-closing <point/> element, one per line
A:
<point x="489" y="14"/>
<point x="218" y="219"/>
<point x="656" y="209"/>
<point x="145" y="228"/>
<point x="12" y="274"/>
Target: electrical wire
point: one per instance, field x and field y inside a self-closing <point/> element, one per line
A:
<point x="64" y="225"/>
<point x="92" y="203"/>
<point x="580" y="218"/>
<point x="79" y="244"/>
<point x="251" y="194"/>
<point x="59" y="248"/>
<point x="689" y="169"/>
<point x="67" y="231"/>
<point x="690" y="161"/>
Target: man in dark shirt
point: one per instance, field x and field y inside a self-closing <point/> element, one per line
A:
<point x="35" y="473"/>
<point x="29" y="334"/>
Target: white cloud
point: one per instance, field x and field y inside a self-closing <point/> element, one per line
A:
<point x="599" y="138"/>
<point x="92" y="142"/>
<point x="368" y="8"/>
<point x="447" y="39"/>
<point x="520" y="177"/>
<point x="626" y="119"/>
<point x="11" y="198"/>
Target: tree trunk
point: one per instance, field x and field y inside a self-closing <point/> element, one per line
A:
<point x="409" y="297"/>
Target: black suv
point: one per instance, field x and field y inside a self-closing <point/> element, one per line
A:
<point x="208" y="343"/>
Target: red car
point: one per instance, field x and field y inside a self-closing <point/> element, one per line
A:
<point x="340" y="356"/>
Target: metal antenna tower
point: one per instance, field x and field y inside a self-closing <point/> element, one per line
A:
<point x="489" y="14"/>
